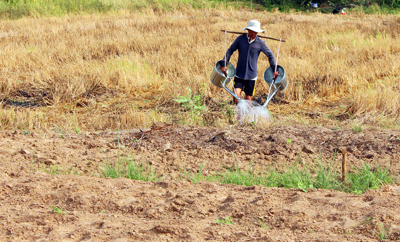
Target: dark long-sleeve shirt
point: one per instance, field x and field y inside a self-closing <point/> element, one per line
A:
<point x="246" y="67"/>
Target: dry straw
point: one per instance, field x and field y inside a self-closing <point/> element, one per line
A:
<point x="113" y="71"/>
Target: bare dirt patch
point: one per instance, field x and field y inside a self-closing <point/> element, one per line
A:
<point x="52" y="188"/>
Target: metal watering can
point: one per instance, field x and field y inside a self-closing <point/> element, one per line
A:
<point x="279" y="84"/>
<point x="220" y="80"/>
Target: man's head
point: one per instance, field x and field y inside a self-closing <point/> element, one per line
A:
<point x="254" y="26"/>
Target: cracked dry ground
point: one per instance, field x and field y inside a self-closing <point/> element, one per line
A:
<point x="91" y="207"/>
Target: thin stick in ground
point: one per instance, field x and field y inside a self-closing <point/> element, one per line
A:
<point x="344" y="164"/>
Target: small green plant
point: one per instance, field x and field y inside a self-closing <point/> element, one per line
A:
<point x="288" y="141"/>
<point x="77" y="130"/>
<point x="57" y="210"/>
<point x="73" y="171"/>
<point x="304" y="187"/>
<point x="230" y="113"/>
<point x="129" y="169"/>
<point x="326" y="177"/>
<point x="194" y="103"/>
<point x="261" y="222"/>
<point x="366" y="178"/>
<point x="383" y="232"/>
<point x="225" y="220"/>
<point x="320" y="176"/>
<point x="368" y="221"/>
<point x="194" y="177"/>
<point x="299" y="159"/>
<point x="59" y="130"/>
<point x="357" y="128"/>
<point x="54" y="170"/>
<point x="357" y="191"/>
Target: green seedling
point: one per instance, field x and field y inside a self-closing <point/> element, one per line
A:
<point x="130" y="169"/>
<point x="194" y="103"/>
<point x="368" y="221"/>
<point x="288" y="141"/>
<point x="261" y="223"/>
<point x="226" y="220"/>
<point x="304" y="187"/>
<point x="230" y="113"/>
<point x="54" y="170"/>
<point x="357" y="128"/>
<point x="383" y="232"/>
<point x="26" y="132"/>
<point x="57" y="210"/>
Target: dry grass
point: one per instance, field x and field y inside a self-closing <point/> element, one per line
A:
<point x="121" y="70"/>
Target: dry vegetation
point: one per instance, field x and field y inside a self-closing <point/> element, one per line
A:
<point x="122" y="70"/>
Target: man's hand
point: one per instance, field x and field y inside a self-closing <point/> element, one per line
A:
<point x="275" y="75"/>
<point x="224" y="69"/>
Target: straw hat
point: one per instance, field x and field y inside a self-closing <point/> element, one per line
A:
<point x="254" y="25"/>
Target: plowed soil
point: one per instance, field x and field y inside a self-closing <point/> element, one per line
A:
<point x="52" y="187"/>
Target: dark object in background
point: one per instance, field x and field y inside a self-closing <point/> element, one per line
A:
<point x="336" y="10"/>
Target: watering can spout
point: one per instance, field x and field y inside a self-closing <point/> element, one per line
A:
<point x="270" y="96"/>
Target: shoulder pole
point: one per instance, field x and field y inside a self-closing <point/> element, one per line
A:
<point x="261" y="36"/>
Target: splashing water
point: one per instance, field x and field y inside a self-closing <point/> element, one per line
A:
<point x="249" y="112"/>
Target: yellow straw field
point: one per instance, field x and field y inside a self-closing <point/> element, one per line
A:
<point x="124" y="70"/>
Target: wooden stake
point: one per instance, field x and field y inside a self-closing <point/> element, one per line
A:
<point x="261" y="36"/>
<point x="344" y="164"/>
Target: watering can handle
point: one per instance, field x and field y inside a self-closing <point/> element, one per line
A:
<point x="275" y="75"/>
<point x="223" y="70"/>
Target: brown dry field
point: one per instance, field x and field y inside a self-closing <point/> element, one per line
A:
<point x="95" y="208"/>
<point x="97" y="74"/>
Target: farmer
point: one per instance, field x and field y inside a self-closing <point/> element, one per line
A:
<point x="249" y="46"/>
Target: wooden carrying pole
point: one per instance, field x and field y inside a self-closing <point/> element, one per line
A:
<point x="261" y="36"/>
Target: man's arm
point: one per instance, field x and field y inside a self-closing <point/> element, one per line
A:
<point x="271" y="58"/>
<point x="227" y="57"/>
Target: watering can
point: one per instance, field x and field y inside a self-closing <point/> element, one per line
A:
<point x="279" y="84"/>
<point x="220" y="80"/>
